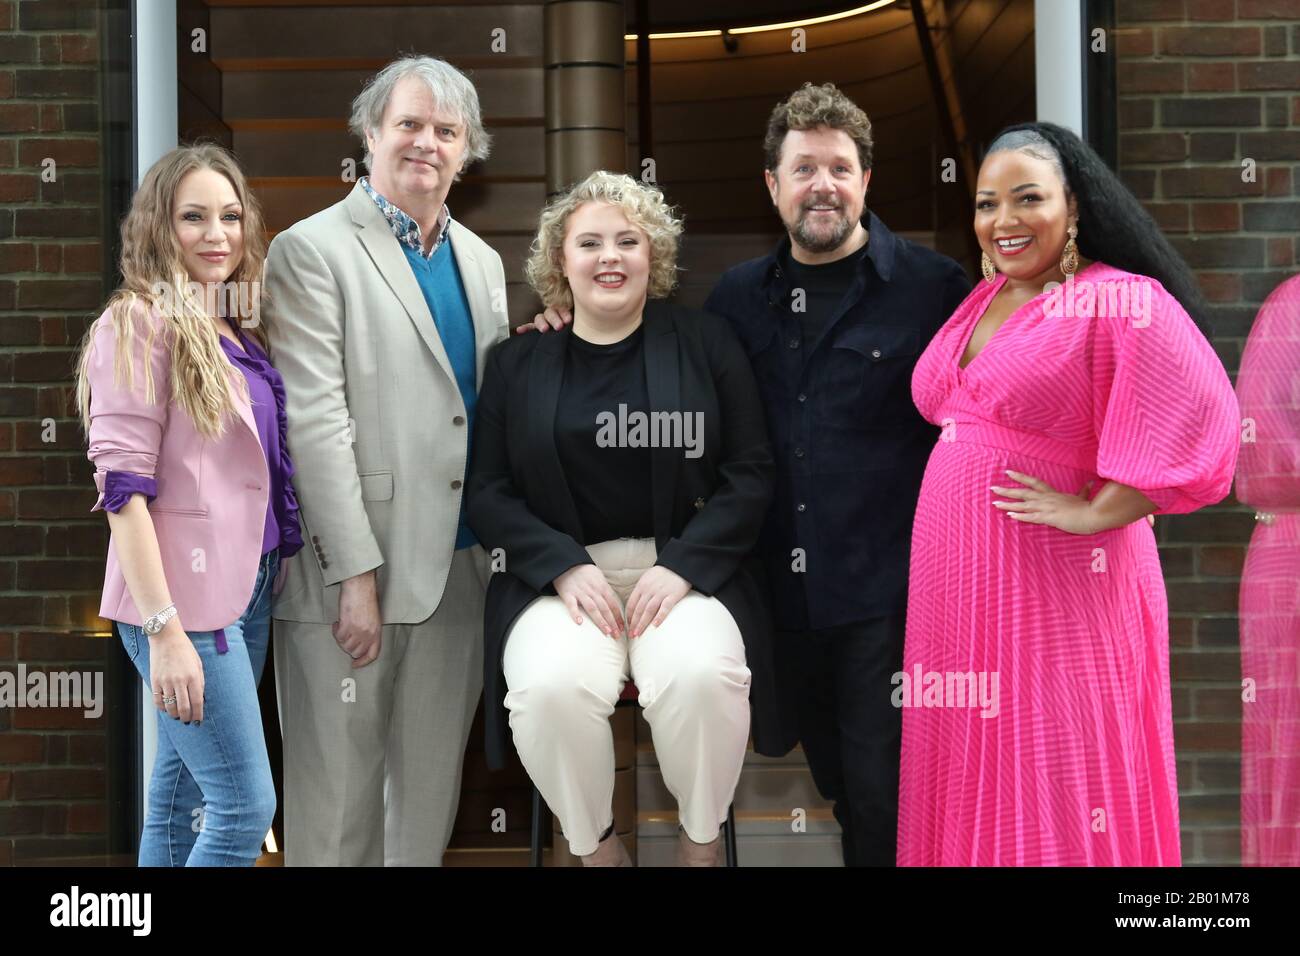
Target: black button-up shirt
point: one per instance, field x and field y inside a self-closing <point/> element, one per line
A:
<point x="850" y="446"/>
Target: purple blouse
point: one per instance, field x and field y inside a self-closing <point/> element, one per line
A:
<point x="266" y="389"/>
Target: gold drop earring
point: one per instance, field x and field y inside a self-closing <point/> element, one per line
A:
<point x="1070" y="255"/>
<point x="986" y="267"/>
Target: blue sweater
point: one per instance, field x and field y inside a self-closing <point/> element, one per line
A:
<point x="444" y="291"/>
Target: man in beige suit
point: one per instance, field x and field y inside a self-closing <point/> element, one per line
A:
<point x="381" y="312"/>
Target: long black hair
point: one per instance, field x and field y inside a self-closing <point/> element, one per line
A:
<point x="1113" y="226"/>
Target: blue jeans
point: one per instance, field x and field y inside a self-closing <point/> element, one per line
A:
<point x="211" y="797"/>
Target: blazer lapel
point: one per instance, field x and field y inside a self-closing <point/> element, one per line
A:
<point x="663" y="383"/>
<point x="386" y="253"/>
<point x="545" y="375"/>
<point x="474" y="277"/>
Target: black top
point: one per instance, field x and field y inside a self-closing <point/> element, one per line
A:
<point x="606" y="463"/>
<point x="817" y="290"/>
<point x="849" y="443"/>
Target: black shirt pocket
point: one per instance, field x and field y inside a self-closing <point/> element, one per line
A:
<point x="870" y="358"/>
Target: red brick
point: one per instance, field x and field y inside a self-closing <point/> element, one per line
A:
<point x="1143" y="77"/>
<point x="1169" y="216"/>
<point x="6" y="15"/>
<point x="6" y="84"/>
<point x="86" y="818"/>
<point x="21" y="820"/>
<point x="87" y="748"/>
<point x="1140" y="10"/>
<point x="6" y="647"/>
<point x="50" y="48"/>
<point x="51" y="118"/>
<point x="46" y="646"/>
<point x="1134" y="113"/>
<point x="1277" y="181"/>
<point x="83" y="257"/>
<point x="1209" y="181"/>
<point x="1283" y="75"/>
<point x="78" y="48"/>
<point x="7" y="152"/>
<point x="57" y="784"/>
<point x="56" y="819"/>
<point x="1268" y="9"/>
<point x="1219" y="560"/>
<point x="55" y="718"/>
<point x="64" y="152"/>
<point x="1280" y="251"/>
<point x="1216" y="217"/>
<point x="18" y="187"/>
<point x="1205" y="735"/>
<point x="1211" y="77"/>
<point x="1220" y="286"/>
<point x="1210" y="41"/>
<point x="1205" y="665"/>
<point x="6" y="784"/>
<point x="18" y="117"/>
<point x="48" y="258"/>
<point x="6" y="853"/>
<point x="1223" y="703"/>
<point x="59" y="294"/>
<point x="35" y="504"/>
<point x="1134" y="41"/>
<point x="20" y="471"/>
<point x="1211" y="10"/>
<point x="21" y="748"/>
<point x="1152" y="148"/>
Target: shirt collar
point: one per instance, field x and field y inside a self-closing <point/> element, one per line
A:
<point x="881" y="246"/>
<point x="406" y="229"/>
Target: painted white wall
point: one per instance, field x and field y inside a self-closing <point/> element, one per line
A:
<point x="154" y="86"/>
<point x="1058" y="62"/>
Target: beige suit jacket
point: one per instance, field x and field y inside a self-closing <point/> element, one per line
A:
<point x="376" y="424"/>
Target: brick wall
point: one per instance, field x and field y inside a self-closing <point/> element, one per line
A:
<point x="52" y="762"/>
<point x="1203" y="86"/>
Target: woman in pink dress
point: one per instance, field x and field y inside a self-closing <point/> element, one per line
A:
<point x="1037" y="727"/>
<point x="1268" y="479"/>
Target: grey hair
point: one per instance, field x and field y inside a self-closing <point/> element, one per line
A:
<point x="1036" y="145"/>
<point x="450" y="88"/>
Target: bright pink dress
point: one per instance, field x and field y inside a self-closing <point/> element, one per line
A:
<point x="1071" y="762"/>
<point x="1268" y="479"/>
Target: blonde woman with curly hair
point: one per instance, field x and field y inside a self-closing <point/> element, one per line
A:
<point x="622" y="468"/>
<point x="185" y="420"/>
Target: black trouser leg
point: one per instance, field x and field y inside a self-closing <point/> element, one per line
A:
<point x="850" y="730"/>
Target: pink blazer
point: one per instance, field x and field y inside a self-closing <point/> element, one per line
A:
<point x="210" y="510"/>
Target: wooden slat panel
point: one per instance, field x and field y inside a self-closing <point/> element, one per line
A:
<point x="286" y="63"/>
<point x="329" y="93"/>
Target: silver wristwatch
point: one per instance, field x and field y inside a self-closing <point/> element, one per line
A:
<point x="154" y="624"/>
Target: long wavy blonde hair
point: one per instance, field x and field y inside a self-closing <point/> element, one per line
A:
<point x="155" y="279"/>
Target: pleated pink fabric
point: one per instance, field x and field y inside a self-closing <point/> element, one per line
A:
<point x="1268" y="479"/>
<point x="1066" y="756"/>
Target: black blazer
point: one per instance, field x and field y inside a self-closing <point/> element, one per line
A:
<point x="707" y="510"/>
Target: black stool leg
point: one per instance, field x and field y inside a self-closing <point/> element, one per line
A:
<point x="729" y="835"/>
<point x="535" y="846"/>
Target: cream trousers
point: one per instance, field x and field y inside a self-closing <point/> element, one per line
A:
<point x="564" y="680"/>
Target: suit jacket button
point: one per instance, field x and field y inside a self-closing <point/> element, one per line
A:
<point x="324" y="565"/>
<point x="699" y="504"/>
<point x="458" y="420"/>
<point x="455" y="484"/>
<point x="315" y="539"/>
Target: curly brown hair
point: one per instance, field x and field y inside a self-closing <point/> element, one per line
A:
<point x="810" y="107"/>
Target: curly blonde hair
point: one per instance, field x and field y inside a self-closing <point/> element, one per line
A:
<point x="155" y="280"/>
<point x="810" y="107"/>
<point x="643" y="206"/>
